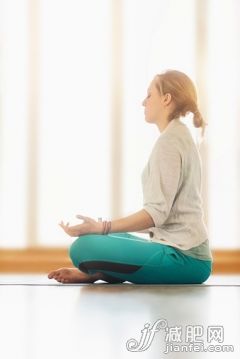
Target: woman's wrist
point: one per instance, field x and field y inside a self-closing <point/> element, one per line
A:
<point x="103" y="227"/>
<point x="137" y="222"/>
<point x="99" y="225"/>
<point x="106" y="227"/>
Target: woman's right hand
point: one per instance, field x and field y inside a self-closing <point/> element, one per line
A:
<point x="89" y="226"/>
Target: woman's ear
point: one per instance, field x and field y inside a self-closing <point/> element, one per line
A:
<point x="167" y="98"/>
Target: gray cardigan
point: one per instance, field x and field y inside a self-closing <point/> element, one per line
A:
<point x="171" y="184"/>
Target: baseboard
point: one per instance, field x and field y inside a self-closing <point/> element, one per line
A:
<point x="226" y="261"/>
<point x="44" y="259"/>
<point x="33" y="260"/>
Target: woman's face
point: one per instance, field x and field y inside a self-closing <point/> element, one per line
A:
<point x="152" y="103"/>
<point x="155" y="104"/>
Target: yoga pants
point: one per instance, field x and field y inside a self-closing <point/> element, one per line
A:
<point x="126" y="257"/>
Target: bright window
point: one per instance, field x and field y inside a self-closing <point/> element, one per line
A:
<point x="78" y="71"/>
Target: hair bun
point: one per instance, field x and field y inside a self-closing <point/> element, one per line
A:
<point x="197" y="118"/>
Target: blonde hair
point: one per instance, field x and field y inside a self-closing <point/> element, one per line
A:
<point x="183" y="93"/>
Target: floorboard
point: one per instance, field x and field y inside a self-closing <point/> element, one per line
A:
<point x="43" y="319"/>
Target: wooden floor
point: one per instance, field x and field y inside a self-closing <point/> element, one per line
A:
<point x="40" y="318"/>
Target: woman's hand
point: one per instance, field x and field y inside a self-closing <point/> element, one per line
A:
<point x="89" y="226"/>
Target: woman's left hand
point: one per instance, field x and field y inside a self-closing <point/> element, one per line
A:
<point x="89" y="226"/>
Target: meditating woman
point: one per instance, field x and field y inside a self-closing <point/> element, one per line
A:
<point x="166" y="242"/>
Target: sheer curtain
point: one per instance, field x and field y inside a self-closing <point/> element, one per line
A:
<point x="74" y="126"/>
<point x="73" y="138"/>
<point x="152" y="43"/>
<point x="224" y="111"/>
<point x="13" y="124"/>
<point x="70" y="93"/>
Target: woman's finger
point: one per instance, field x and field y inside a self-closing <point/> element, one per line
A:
<point x="85" y="218"/>
<point x="65" y="228"/>
<point x="80" y="216"/>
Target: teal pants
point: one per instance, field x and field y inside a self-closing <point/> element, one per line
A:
<point x="129" y="258"/>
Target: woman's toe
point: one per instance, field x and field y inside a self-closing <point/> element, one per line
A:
<point x="51" y="274"/>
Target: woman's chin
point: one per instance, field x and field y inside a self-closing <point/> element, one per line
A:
<point x="148" y="119"/>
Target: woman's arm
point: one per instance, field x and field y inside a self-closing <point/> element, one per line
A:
<point x="133" y="223"/>
<point x="136" y="222"/>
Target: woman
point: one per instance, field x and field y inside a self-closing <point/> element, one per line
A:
<point x="176" y="249"/>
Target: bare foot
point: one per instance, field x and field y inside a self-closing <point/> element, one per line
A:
<point x="73" y="275"/>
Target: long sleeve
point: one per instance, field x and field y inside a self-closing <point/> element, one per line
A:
<point x="161" y="180"/>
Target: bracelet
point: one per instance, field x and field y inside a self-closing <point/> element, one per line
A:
<point x="106" y="227"/>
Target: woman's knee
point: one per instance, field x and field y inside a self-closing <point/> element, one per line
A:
<point x="81" y="249"/>
<point x="75" y="250"/>
<point x="72" y="252"/>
